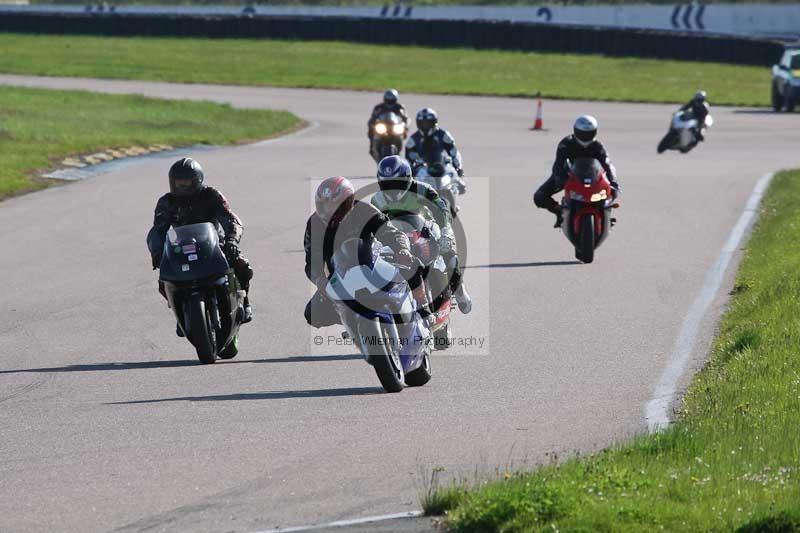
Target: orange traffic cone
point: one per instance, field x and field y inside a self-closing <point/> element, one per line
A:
<point x="538" y="124"/>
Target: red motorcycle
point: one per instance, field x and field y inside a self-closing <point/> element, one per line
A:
<point x="587" y="204"/>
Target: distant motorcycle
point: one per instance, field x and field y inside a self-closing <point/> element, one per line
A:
<point x="202" y="291"/>
<point x="441" y="176"/>
<point x="424" y="234"/>
<point x="388" y="133"/>
<point x="377" y="309"/>
<point x="683" y="134"/>
<point x="586" y="207"/>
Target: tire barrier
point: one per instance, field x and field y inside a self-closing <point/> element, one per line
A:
<point x="519" y="36"/>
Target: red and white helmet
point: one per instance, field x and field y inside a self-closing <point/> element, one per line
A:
<point x="335" y="196"/>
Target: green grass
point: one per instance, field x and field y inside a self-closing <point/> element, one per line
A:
<point x="536" y="3"/>
<point x="40" y="127"/>
<point x="361" y="66"/>
<point x="732" y="461"/>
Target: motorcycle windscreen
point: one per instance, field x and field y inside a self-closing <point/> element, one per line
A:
<point x="586" y="169"/>
<point x="192" y="252"/>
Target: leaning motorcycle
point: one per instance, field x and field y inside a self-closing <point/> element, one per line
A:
<point x="424" y="235"/>
<point x="683" y="134"/>
<point x="586" y="207"/>
<point x="387" y="136"/>
<point x="202" y="291"/>
<point x="377" y="309"/>
<point x="441" y="176"/>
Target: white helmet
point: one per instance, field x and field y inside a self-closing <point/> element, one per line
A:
<point x="585" y="129"/>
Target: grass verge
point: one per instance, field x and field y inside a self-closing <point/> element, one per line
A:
<point x="39" y="127"/>
<point x="361" y="66"/>
<point x="732" y="461"/>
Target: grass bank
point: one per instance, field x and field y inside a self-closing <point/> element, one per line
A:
<point x="362" y="66"/>
<point x="536" y="3"/>
<point x="40" y="127"/>
<point x="732" y="461"/>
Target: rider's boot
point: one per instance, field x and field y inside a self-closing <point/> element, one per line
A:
<point x="248" y="311"/>
<point x="463" y="299"/>
<point x="178" y="331"/>
<point x="559" y="220"/>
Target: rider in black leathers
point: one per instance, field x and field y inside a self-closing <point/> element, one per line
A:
<point x="190" y="201"/>
<point x="700" y="109"/>
<point x="390" y="104"/>
<point x="428" y="144"/>
<point x="582" y="143"/>
<point x="337" y="218"/>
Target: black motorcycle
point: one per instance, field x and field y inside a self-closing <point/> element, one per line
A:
<point x="202" y="291"/>
<point x="388" y="134"/>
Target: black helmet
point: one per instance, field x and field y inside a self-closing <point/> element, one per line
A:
<point x="427" y="120"/>
<point x="700" y="96"/>
<point x="186" y="177"/>
<point x="585" y="129"/>
<point x="390" y="97"/>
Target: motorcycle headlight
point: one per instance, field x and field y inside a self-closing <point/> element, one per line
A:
<point x="398" y="129"/>
<point x="599" y="196"/>
<point x="380" y="128"/>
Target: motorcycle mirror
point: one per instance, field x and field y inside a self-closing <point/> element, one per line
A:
<point x="615" y="205"/>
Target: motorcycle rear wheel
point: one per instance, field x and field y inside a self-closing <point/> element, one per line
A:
<point x="662" y="146"/>
<point x="231" y="350"/>
<point x="789" y="102"/>
<point x="585" y="249"/>
<point x="442" y="339"/>
<point x="422" y="375"/>
<point x="203" y="336"/>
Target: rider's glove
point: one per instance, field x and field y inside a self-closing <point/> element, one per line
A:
<point x="231" y="249"/>
<point x="462" y="187"/>
<point x="445" y="244"/>
<point x="156" y="261"/>
<point x="460" y="172"/>
<point x="404" y="258"/>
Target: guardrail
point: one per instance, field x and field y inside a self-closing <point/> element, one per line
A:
<point x="521" y="36"/>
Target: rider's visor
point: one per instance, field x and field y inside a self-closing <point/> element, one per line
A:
<point x="426" y="125"/>
<point x="585" y="136"/>
<point x="184" y="185"/>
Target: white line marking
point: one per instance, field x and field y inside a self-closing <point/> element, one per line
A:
<point x="345" y="523"/>
<point x="657" y="409"/>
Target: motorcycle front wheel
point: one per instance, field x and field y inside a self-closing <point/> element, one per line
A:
<point x="383" y="354"/>
<point x="585" y="249"/>
<point x="202" y="333"/>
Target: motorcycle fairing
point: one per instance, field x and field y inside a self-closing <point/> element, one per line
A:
<point x="192" y="253"/>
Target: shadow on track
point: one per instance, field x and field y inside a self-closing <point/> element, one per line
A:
<point x="268" y="395"/>
<point x="756" y="112"/>
<point x="140" y="365"/>
<point x="526" y="265"/>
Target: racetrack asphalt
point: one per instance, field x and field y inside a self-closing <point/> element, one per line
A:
<point x="109" y="423"/>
